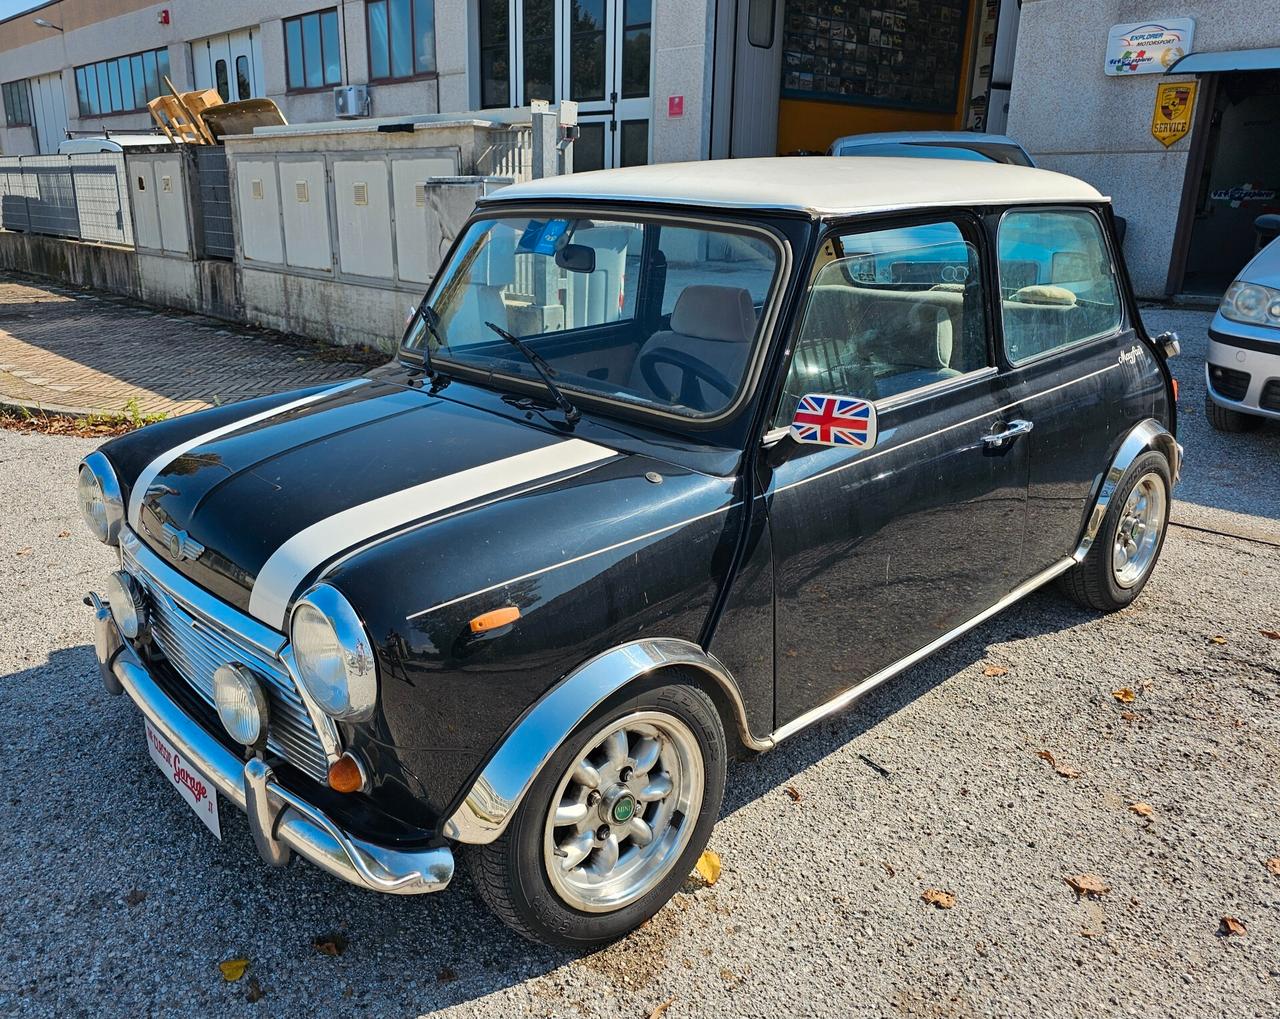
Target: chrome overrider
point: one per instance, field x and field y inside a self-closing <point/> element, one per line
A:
<point x="282" y="822"/>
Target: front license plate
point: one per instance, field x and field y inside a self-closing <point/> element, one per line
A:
<point x="197" y="790"/>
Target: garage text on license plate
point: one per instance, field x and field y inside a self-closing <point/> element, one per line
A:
<point x="197" y="790"/>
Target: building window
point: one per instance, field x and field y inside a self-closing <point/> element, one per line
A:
<point x="586" y="49"/>
<point x="402" y="39"/>
<point x="539" y="53"/>
<point x="311" y="51"/>
<point x="17" y="103"/>
<point x="495" y="55"/>
<point x="636" y="22"/>
<point x="875" y="53"/>
<point x="123" y="84"/>
<point x="244" y="90"/>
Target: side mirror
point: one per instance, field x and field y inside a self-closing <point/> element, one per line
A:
<point x="1169" y="343"/>
<point x="577" y="258"/>
<point x="825" y="420"/>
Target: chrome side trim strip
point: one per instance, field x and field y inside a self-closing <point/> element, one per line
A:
<point x="279" y="820"/>
<point x="493" y="798"/>
<point x="149" y="473"/>
<point x="1145" y="435"/>
<point x="845" y="699"/>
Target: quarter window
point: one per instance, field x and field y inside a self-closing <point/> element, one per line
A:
<point x="889" y="311"/>
<point x="17" y="103"/>
<point x="1057" y="285"/>
<point x="402" y="38"/>
<point x="311" y="51"/>
<point x="123" y="83"/>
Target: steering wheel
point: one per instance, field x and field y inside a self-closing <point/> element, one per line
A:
<point x="692" y="369"/>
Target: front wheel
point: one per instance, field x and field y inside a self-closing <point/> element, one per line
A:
<point x="1128" y="544"/>
<point x="1224" y="419"/>
<point x="613" y="823"/>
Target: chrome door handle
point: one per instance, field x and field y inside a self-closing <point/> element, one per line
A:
<point x="1011" y="431"/>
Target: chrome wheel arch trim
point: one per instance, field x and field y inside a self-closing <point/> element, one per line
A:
<point x="492" y="799"/>
<point x="1142" y="437"/>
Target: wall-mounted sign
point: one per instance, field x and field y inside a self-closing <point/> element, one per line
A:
<point x="1148" y="47"/>
<point x="1171" y="119"/>
<point x="675" y="106"/>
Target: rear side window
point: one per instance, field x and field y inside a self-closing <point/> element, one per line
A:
<point x="1056" y="282"/>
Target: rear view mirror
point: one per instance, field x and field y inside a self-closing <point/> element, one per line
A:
<point x="825" y="420"/>
<point x="576" y="258"/>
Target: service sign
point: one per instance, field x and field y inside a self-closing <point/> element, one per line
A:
<point x="1171" y="119"/>
<point x="1148" y="47"/>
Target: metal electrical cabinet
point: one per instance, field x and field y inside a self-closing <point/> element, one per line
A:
<point x="363" y="210"/>
<point x="258" y="196"/>
<point x="304" y="199"/>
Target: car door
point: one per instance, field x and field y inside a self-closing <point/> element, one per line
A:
<point x="880" y="550"/>
<point x="1074" y="363"/>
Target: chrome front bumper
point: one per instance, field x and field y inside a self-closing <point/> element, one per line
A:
<point x="281" y="821"/>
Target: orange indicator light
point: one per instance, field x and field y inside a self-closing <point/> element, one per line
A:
<point x="487" y="621"/>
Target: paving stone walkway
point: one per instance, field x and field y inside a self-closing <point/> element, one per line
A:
<point x="67" y="349"/>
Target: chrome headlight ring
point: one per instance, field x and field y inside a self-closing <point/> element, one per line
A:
<point x="333" y="654"/>
<point x="101" y="503"/>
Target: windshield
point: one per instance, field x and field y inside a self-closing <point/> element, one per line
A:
<point x="660" y="313"/>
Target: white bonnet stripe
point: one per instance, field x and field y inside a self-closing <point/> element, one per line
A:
<point x="291" y="562"/>
<point x="157" y="465"/>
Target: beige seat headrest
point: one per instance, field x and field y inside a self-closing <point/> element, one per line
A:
<point x="1045" y="294"/>
<point x="714" y="313"/>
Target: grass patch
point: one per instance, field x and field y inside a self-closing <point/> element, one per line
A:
<point x="92" y="426"/>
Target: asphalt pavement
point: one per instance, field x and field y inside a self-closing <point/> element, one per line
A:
<point x="116" y="901"/>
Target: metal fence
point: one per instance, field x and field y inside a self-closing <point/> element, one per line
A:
<point x="216" y="236"/>
<point x="85" y="197"/>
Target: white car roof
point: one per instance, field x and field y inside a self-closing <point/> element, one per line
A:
<point x="820" y="185"/>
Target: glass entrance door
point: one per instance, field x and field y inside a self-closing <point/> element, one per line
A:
<point x="595" y="52"/>
<point x="606" y="68"/>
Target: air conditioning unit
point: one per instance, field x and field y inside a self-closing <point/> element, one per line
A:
<point x="351" y="101"/>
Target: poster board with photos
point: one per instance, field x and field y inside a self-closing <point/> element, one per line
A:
<point x="901" y="53"/>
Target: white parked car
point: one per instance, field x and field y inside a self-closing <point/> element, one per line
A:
<point x="1243" y="366"/>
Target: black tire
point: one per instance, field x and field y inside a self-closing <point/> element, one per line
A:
<point x="1224" y="419"/>
<point x="1093" y="583"/>
<point x="510" y="873"/>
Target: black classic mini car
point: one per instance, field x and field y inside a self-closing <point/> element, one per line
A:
<point x="674" y="462"/>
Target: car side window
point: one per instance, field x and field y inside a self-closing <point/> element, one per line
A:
<point x="1057" y="284"/>
<point x="889" y="311"/>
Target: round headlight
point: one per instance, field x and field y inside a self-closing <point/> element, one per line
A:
<point x="98" y="493"/>
<point x="241" y="704"/>
<point x="333" y="654"/>
<point x="125" y="598"/>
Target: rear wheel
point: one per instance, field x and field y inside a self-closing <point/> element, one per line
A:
<point x="1128" y="544"/>
<point x="1224" y="419"/>
<point x="613" y="823"/>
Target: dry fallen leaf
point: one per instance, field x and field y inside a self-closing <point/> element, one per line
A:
<point x="1129" y="716"/>
<point x="330" y="944"/>
<point x="1088" y="884"/>
<point x="24" y="551"/>
<point x="991" y="671"/>
<point x="1230" y="925"/>
<point x="254" y="992"/>
<point x="728" y="976"/>
<point x="1086" y="933"/>
<point x="233" y="969"/>
<point x="1273" y="865"/>
<point x="1270" y="634"/>
<point x="709" y="866"/>
<point x="1065" y="770"/>
<point x="1124" y="695"/>
<point x="888" y="868"/>
<point x="64" y="534"/>
<point x="793" y="792"/>
<point x="1143" y="810"/>
<point x="1217" y="639"/>
<point x="134" y="897"/>
<point x="661" y="1010"/>
<point x="937" y="897"/>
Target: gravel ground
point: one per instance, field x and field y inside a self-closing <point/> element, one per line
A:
<point x="116" y="901"/>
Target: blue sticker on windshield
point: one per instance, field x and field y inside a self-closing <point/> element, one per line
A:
<point x="543" y="237"/>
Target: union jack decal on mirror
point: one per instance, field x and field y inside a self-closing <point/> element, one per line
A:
<point x="825" y="420"/>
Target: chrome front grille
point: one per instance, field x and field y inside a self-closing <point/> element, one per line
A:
<point x="194" y="645"/>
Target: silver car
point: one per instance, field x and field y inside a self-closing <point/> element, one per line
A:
<point x="1243" y="366"/>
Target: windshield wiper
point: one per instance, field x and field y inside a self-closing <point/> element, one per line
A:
<point x="571" y="413"/>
